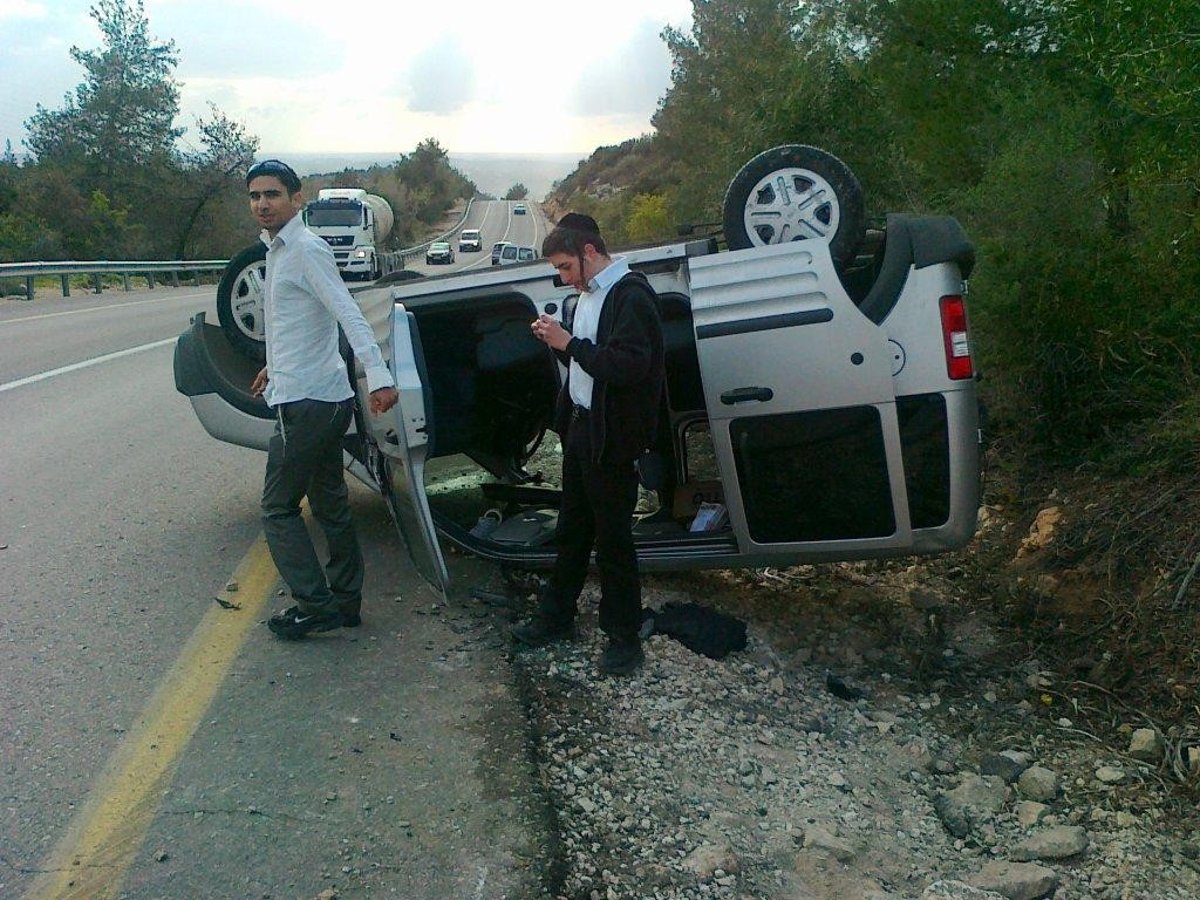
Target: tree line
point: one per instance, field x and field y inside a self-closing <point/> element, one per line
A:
<point x="1062" y="133"/>
<point x="106" y="175"/>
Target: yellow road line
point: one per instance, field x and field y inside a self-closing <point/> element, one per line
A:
<point x="106" y="833"/>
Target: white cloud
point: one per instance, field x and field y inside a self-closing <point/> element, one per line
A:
<point x="378" y="76"/>
<point x="629" y="80"/>
<point x="21" y="9"/>
<point x="233" y="39"/>
<point x="441" y="78"/>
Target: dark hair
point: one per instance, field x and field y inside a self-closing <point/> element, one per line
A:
<point x="572" y="233"/>
<point x="280" y="170"/>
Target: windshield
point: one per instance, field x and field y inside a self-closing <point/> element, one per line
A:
<point x="322" y="214"/>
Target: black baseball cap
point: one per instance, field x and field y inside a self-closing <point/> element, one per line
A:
<point x="279" y="169"/>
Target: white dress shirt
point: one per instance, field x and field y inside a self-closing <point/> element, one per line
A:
<point x="305" y="301"/>
<point x="587" y="321"/>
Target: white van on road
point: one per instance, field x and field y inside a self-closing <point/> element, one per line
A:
<point x="470" y="240"/>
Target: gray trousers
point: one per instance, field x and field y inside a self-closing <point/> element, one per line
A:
<point x="304" y="458"/>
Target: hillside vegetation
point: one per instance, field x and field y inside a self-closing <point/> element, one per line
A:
<point x="1062" y="133"/>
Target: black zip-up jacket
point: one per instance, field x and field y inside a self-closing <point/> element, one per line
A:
<point x="626" y="365"/>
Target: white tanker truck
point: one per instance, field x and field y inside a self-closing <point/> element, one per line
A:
<point x="355" y="224"/>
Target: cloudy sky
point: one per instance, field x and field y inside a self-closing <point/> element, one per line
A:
<point x="525" y="76"/>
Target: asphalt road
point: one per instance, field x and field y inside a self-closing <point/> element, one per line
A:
<point x="496" y="222"/>
<point x="154" y="743"/>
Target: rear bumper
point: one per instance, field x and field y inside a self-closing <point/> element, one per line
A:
<point x="217" y="379"/>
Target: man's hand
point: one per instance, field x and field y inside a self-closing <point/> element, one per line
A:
<point x="550" y="332"/>
<point x="383" y="399"/>
<point x="259" y="384"/>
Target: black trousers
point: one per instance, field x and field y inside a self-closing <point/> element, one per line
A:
<point x="598" y="500"/>
<point x="304" y="459"/>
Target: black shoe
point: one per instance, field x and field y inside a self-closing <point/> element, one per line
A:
<point x="351" y="620"/>
<point x="292" y="624"/>
<point x="538" y="631"/>
<point x="621" y="656"/>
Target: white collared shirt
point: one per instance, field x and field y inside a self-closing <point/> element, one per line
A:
<point x="305" y="301"/>
<point x="587" y="321"/>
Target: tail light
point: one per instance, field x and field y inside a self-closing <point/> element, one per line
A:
<point x="956" y="339"/>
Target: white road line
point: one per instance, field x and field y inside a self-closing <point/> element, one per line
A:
<point x="508" y="222"/>
<point x="487" y="211"/>
<point x="75" y="312"/>
<point x="487" y="251"/>
<point x="537" y="216"/>
<point x="74" y="367"/>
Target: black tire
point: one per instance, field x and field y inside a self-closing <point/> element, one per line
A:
<point x="240" y="302"/>
<point x="793" y="193"/>
<point x="399" y="275"/>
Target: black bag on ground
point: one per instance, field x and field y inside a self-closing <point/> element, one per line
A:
<point x="703" y="630"/>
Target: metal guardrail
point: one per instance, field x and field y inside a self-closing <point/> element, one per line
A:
<point x="413" y="251"/>
<point x="147" y="269"/>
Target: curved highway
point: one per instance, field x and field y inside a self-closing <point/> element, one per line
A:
<point x="497" y="222"/>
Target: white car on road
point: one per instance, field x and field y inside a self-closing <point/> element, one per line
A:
<point x="470" y="241"/>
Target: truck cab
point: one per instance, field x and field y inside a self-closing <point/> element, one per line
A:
<point x="353" y="223"/>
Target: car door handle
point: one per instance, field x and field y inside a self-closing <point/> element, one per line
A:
<point x="746" y="395"/>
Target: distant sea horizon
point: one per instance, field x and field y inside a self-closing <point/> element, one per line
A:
<point x="493" y="173"/>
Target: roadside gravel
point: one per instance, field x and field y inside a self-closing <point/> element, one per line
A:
<point x="753" y="777"/>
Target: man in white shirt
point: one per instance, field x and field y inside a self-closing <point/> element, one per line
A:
<point x="306" y="382"/>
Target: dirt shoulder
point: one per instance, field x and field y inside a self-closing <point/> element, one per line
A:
<point x="910" y="729"/>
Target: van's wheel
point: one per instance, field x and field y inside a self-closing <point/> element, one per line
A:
<point x="240" y="301"/>
<point x="795" y="193"/>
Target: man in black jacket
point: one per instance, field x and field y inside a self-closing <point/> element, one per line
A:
<point x="606" y="414"/>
